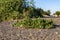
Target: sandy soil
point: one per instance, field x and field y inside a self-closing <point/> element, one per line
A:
<point x="7" y="32"/>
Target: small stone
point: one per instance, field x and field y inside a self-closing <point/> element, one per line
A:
<point x="56" y="32"/>
<point x="18" y="35"/>
<point x="59" y="35"/>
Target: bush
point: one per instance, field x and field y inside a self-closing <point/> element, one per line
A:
<point x="9" y="9"/>
<point x="34" y="23"/>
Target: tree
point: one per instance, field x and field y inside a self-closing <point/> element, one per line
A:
<point x="32" y="3"/>
<point x="48" y="12"/>
<point x="39" y="12"/>
<point x="10" y="8"/>
<point x="57" y="13"/>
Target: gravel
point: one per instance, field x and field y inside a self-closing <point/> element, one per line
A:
<point x="7" y="32"/>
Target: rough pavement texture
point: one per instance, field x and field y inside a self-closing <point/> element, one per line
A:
<point x="7" y="32"/>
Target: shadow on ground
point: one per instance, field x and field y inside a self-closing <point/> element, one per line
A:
<point x="57" y="25"/>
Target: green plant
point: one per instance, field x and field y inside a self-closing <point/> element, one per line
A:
<point x="49" y="24"/>
<point x="35" y="23"/>
<point x="10" y="9"/>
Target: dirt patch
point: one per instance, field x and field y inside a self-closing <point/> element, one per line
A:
<point x="7" y="32"/>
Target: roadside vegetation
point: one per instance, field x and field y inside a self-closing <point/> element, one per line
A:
<point x="24" y="9"/>
<point x="57" y="13"/>
<point x="17" y="9"/>
<point x="34" y="23"/>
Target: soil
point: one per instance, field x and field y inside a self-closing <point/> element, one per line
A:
<point x="8" y="32"/>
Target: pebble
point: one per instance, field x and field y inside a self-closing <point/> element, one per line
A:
<point x="56" y="32"/>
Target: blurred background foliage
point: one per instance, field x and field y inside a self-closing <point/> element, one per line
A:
<point x="19" y="9"/>
<point x="16" y="9"/>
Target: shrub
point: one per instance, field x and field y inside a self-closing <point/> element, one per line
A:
<point x="34" y="23"/>
<point x="9" y="9"/>
<point x="49" y="24"/>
